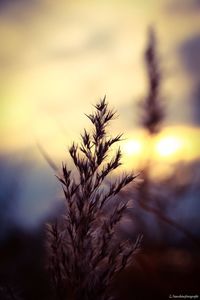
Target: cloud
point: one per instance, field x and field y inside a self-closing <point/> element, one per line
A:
<point x="8" y="4"/>
<point x="196" y="101"/>
<point x="183" y="6"/>
<point x="28" y="193"/>
<point x="96" y="40"/>
<point x="17" y="10"/>
<point x="189" y="53"/>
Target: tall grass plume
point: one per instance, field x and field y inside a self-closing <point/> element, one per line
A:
<point x="85" y="251"/>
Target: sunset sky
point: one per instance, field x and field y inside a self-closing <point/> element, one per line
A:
<point x="72" y="215"/>
<point x="59" y="57"/>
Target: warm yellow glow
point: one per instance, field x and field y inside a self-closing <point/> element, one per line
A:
<point x="132" y="147"/>
<point x="59" y="62"/>
<point x="168" y="146"/>
<point x="171" y="145"/>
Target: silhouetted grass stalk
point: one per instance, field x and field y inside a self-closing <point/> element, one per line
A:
<point x="85" y="250"/>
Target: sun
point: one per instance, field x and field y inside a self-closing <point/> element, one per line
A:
<point x="168" y="146"/>
<point x="132" y="147"/>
